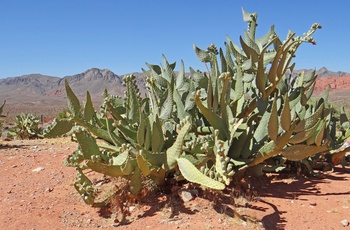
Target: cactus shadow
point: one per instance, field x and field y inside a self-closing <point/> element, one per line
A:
<point x="165" y="202"/>
<point x="174" y="203"/>
<point x="273" y="221"/>
<point x="15" y="146"/>
<point x="291" y="188"/>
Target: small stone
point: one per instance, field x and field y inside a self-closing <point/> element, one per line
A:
<point x="344" y="222"/>
<point x="14" y="166"/>
<point x="312" y="203"/>
<point x="38" y="169"/>
<point x="131" y="208"/>
<point x="185" y="195"/>
<point x="49" y="189"/>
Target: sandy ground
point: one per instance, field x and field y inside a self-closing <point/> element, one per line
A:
<point x="37" y="192"/>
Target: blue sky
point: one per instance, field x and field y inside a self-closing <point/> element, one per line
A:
<point x="60" y="38"/>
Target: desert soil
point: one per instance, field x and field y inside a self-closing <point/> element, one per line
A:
<point x="37" y="193"/>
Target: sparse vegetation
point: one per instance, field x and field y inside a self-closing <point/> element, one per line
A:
<point x="63" y="114"/>
<point x="1" y="117"/>
<point x="27" y="126"/>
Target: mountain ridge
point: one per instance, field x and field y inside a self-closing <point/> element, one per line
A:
<point x="323" y="72"/>
<point x="33" y="92"/>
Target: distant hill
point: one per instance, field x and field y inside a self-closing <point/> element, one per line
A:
<point x="323" y="72"/>
<point x="32" y="84"/>
<point x="42" y="94"/>
<point x="95" y="81"/>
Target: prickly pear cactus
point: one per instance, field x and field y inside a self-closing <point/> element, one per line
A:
<point x="27" y="127"/>
<point x="209" y="127"/>
<point x="141" y="137"/>
<point x="1" y="116"/>
<point x="257" y="108"/>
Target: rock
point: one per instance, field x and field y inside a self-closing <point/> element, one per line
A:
<point x="49" y="189"/>
<point x="344" y="222"/>
<point x="38" y="169"/>
<point x="312" y="203"/>
<point x="185" y="195"/>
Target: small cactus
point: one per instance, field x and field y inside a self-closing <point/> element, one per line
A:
<point x="1" y="116"/>
<point x="27" y="127"/>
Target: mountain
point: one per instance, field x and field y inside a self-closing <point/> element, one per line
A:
<point x="27" y="84"/>
<point x="95" y="81"/>
<point x="322" y="73"/>
<point x="42" y="94"/>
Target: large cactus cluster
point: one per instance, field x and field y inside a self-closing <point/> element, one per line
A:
<point x="208" y="127"/>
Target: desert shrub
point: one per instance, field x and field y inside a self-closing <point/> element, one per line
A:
<point x="26" y="127"/>
<point x="2" y="117"/>
<point x="63" y="114"/>
<point x="243" y="113"/>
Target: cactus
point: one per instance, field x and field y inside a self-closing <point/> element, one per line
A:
<point x="278" y="118"/>
<point x="1" y="116"/>
<point x="208" y="128"/>
<point x="142" y="136"/>
<point x="27" y="127"/>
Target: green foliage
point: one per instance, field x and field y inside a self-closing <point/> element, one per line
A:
<point x="207" y="128"/>
<point x="63" y="114"/>
<point x="27" y="127"/>
<point x="1" y="116"/>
